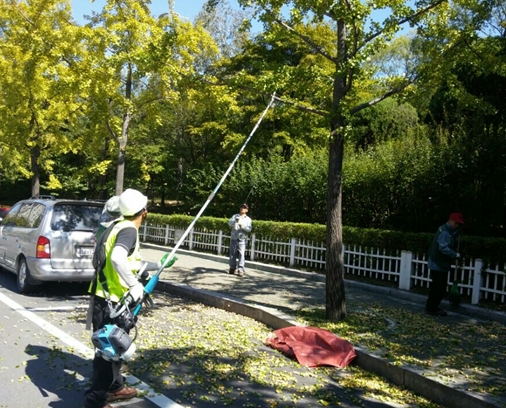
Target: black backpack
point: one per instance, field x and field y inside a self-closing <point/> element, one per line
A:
<point x="99" y="256"/>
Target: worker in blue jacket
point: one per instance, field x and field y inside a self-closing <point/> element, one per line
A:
<point x="442" y="254"/>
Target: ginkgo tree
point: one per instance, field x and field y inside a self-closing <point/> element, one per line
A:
<point x="135" y="62"/>
<point x="41" y="89"/>
<point x="359" y="32"/>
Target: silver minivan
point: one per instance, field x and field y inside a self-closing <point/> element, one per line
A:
<point x="46" y="239"/>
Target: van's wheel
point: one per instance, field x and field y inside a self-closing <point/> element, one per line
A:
<point x="24" y="277"/>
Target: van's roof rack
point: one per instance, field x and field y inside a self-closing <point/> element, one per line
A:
<point x="50" y="197"/>
<point x="42" y="197"/>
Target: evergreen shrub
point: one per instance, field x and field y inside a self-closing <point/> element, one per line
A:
<point x="491" y="250"/>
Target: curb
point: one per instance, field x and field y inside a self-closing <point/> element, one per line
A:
<point x="410" y="378"/>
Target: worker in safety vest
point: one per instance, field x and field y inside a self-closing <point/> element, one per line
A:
<point x="122" y="262"/>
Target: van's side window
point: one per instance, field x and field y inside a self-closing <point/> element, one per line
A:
<point x="23" y="219"/>
<point x="10" y="218"/>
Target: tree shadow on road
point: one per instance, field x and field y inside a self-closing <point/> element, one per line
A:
<point x="281" y="292"/>
<point x="58" y="373"/>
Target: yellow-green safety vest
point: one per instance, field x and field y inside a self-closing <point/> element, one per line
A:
<point x="116" y="286"/>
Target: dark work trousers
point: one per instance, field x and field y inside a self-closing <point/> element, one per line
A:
<point x="106" y="374"/>
<point x="437" y="289"/>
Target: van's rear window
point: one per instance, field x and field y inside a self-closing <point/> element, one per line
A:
<point x="70" y="217"/>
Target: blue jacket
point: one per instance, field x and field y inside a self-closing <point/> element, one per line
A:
<point x="442" y="249"/>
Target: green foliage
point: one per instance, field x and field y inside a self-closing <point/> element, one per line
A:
<point x="410" y="183"/>
<point x="276" y="190"/>
<point x="385" y="121"/>
<point x="138" y="65"/>
<point x="392" y="185"/>
<point x="278" y="61"/>
<point x="42" y="89"/>
<point x="467" y="115"/>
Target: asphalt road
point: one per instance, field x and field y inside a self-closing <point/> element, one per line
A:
<point x="45" y="353"/>
<point x="39" y="366"/>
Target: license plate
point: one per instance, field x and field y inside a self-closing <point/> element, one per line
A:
<point x="85" y="251"/>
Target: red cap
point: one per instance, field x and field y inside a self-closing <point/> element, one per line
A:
<point x="457" y="217"/>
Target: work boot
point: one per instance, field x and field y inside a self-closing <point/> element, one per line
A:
<point x="124" y="393"/>
<point x="439" y="312"/>
<point x="231" y="271"/>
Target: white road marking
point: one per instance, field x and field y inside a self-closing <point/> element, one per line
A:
<point x="56" y="309"/>
<point x="159" y="399"/>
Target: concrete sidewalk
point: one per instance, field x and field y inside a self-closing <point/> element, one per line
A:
<point x="273" y="294"/>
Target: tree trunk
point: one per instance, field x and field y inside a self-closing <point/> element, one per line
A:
<point x="104" y="194"/>
<point x="123" y="141"/>
<point x="120" y="170"/>
<point x="335" y="305"/>
<point x="34" y="158"/>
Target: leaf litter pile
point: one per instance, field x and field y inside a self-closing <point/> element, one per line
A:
<point x="207" y="357"/>
<point x="466" y="354"/>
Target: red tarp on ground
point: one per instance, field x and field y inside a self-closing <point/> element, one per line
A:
<point x="312" y="346"/>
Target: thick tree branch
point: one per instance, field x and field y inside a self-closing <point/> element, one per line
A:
<point x="402" y="87"/>
<point x="111" y="131"/>
<point x="401" y="21"/>
<point x="109" y="127"/>
<point x="307" y="40"/>
<point x="302" y="107"/>
<point x="380" y="98"/>
<point x="304" y="38"/>
<point x="287" y="101"/>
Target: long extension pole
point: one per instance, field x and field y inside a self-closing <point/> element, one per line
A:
<point x="170" y="259"/>
<point x="211" y="196"/>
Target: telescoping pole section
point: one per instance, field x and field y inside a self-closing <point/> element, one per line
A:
<point x="211" y="196"/>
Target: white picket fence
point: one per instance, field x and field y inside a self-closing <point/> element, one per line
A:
<point x="402" y="269"/>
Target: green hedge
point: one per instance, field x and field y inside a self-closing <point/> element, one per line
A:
<point x="491" y="250"/>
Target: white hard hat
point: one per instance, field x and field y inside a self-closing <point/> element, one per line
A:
<point x="112" y="205"/>
<point x="111" y="212"/>
<point x="131" y="202"/>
